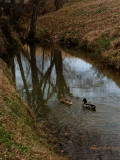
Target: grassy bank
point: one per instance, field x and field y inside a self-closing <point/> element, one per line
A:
<point x="20" y="136"/>
<point x="89" y="24"/>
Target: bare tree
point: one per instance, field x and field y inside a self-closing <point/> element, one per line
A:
<point x="58" y="4"/>
<point x="12" y="10"/>
<point x="35" y="8"/>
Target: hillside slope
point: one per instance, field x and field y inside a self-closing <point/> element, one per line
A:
<point x="20" y="137"/>
<point x="92" y="25"/>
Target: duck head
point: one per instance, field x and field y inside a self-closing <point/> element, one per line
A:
<point x="85" y="100"/>
<point x="61" y="95"/>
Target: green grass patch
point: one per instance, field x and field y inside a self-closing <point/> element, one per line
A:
<point x="104" y="43"/>
<point x="17" y="110"/>
<point x="80" y="13"/>
<point x="82" y="25"/>
<point x="6" y="140"/>
<point x="101" y="10"/>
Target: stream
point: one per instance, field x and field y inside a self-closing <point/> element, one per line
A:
<point x="42" y="74"/>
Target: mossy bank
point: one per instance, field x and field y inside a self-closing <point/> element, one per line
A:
<point x="89" y="24"/>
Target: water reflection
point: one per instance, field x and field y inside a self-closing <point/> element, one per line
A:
<point x="39" y="77"/>
<point x="42" y="75"/>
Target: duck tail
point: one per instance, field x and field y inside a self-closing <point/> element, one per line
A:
<point x="94" y="107"/>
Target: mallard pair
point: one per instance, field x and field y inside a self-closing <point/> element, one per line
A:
<point x="88" y="105"/>
<point x="85" y="104"/>
<point x="65" y="100"/>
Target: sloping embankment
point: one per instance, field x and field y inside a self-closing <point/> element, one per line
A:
<point x="92" y="25"/>
<point x="20" y="136"/>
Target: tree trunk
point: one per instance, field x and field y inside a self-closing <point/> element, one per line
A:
<point x="34" y="18"/>
<point x="58" y="4"/>
<point x="12" y="10"/>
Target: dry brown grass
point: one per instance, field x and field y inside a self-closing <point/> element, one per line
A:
<point x="2" y="44"/>
<point x="18" y="139"/>
<point x="115" y="44"/>
<point x="113" y="57"/>
<point x="84" y="23"/>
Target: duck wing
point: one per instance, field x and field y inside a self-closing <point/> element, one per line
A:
<point x="65" y="100"/>
<point x="90" y="105"/>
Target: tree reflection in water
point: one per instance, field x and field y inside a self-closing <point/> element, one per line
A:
<point x="60" y="80"/>
<point x="42" y="75"/>
<point x="36" y="76"/>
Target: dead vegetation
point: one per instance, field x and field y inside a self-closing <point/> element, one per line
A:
<point x="18" y="137"/>
<point x="92" y="25"/>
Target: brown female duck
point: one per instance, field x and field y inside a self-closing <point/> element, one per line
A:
<point x="65" y="100"/>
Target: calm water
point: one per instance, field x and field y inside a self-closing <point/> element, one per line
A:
<point x="42" y="75"/>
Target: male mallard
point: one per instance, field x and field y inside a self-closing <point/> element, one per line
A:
<point x="88" y="105"/>
<point x="65" y="100"/>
